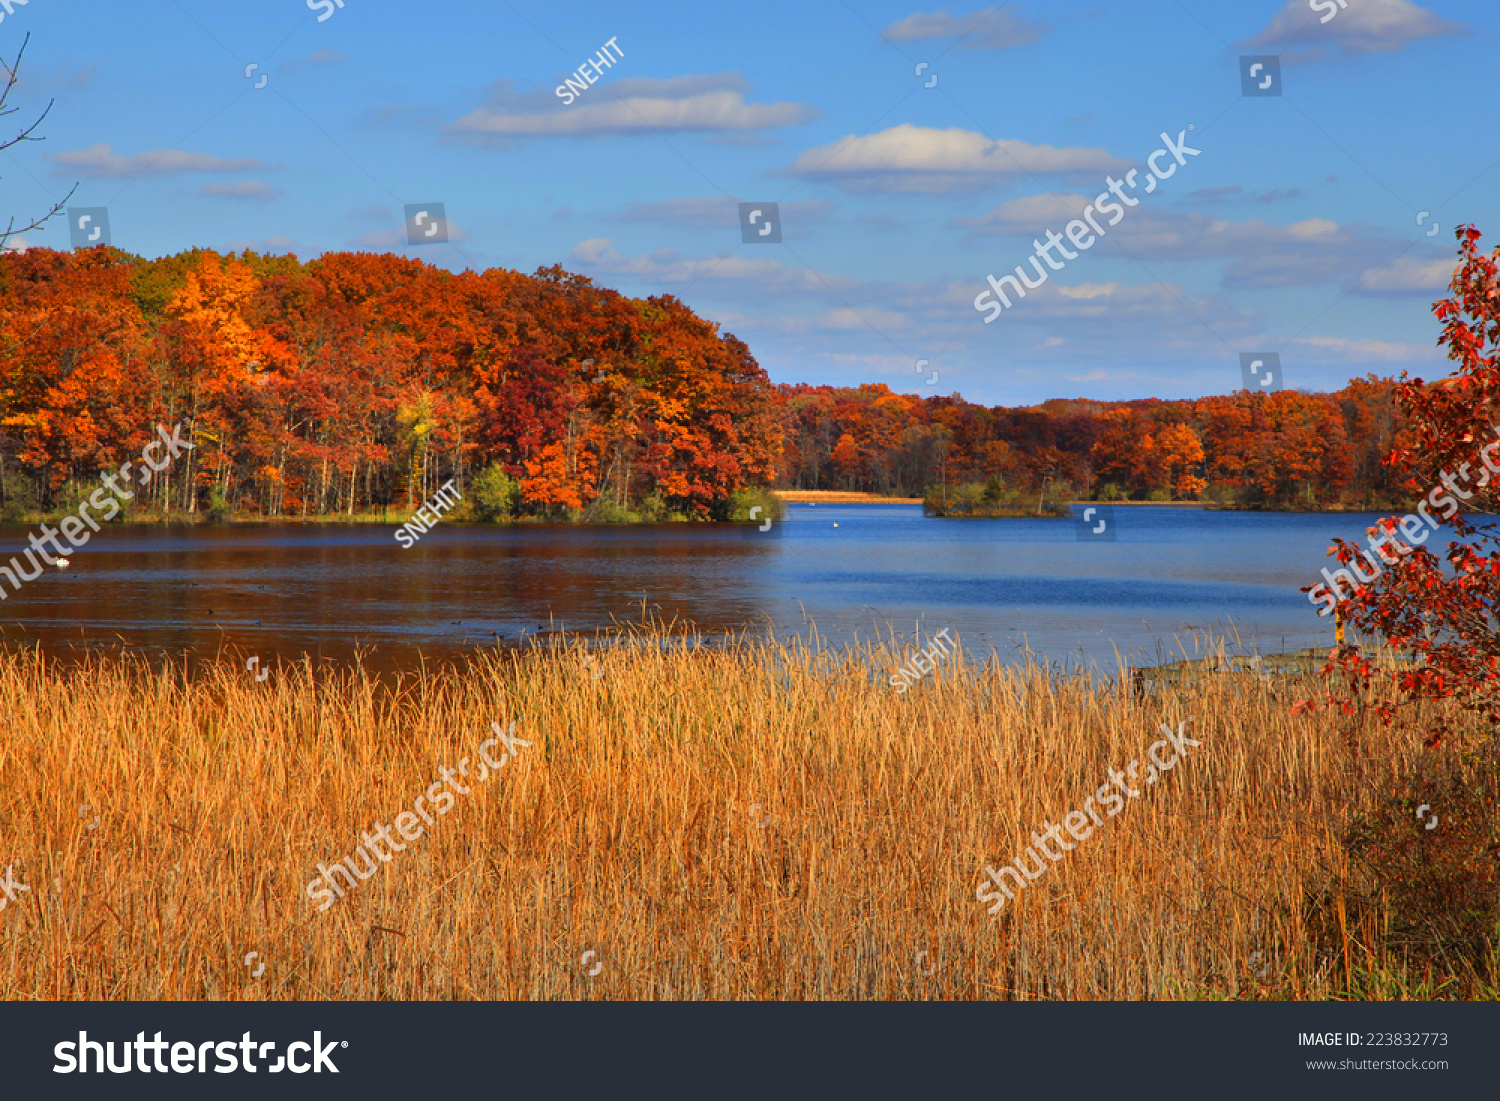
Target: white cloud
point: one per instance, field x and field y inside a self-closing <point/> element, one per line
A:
<point x="909" y="158"/>
<point x="712" y="103"/>
<point x="1314" y="250"/>
<point x="711" y="212"/>
<point x="1100" y="374"/>
<point x="1363" y="27"/>
<point x="42" y="82"/>
<point x="667" y="266"/>
<point x="1313" y="229"/>
<point x="986" y="29"/>
<point x="715" y="212"/>
<point x="1406" y="276"/>
<point x="876" y="362"/>
<point x="1215" y="194"/>
<point x="1088" y="290"/>
<point x="747" y="140"/>
<point x="1343" y="350"/>
<point x="848" y="318"/>
<point x="1103" y="314"/>
<point x="321" y="57"/>
<point x="792" y="312"/>
<point x="98" y="162"/>
<point x="1027" y="215"/>
<point x="1277" y="195"/>
<point x="240" y="189"/>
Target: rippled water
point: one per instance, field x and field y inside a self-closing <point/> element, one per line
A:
<point x="281" y="590"/>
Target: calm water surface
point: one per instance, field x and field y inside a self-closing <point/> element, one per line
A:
<point x="329" y="590"/>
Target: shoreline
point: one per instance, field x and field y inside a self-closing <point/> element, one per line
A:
<point x="838" y="497"/>
<point x="789" y="497"/>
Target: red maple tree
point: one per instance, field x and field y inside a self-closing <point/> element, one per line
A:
<point x="1442" y="620"/>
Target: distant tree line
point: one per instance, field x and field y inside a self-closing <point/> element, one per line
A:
<point x="1277" y="449"/>
<point x="358" y="382"/>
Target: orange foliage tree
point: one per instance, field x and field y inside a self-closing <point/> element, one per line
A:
<point x="357" y="381"/>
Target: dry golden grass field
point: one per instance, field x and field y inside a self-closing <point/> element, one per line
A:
<point x="837" y="497"/>
<point x="742" y="822"/>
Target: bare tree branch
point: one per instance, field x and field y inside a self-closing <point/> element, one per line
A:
<point x="12" y="76"/>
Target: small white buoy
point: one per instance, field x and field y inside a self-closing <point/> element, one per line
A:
<point x="835" y="523"/>
<point x="62" y="563"/>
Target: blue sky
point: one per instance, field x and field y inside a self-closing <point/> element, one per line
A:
<point x="1293" y="231"/>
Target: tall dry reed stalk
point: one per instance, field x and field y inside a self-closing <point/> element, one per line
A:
<point x="753" y="821"/>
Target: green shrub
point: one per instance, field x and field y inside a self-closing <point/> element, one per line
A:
<point x="607" y="512"/>
<point x="964" y="498"/>
<point x="19" y="498"/>
<point x="741" y="501"/>
<point x="71" y="494"/>
<point x="218" y="508"/>
<point x="493" y="495"/>
<point x="1219" y="494"/>
<point x="653" y="509"/>
<point x="994" y="499"/>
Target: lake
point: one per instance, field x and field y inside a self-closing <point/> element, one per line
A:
<point x="272" y="590"/>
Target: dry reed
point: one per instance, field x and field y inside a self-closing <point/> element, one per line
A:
<point x="745" y="822"/>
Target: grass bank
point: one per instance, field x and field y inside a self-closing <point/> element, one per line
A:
<point x="836" y="497"/>
<point x="753" y="822"/>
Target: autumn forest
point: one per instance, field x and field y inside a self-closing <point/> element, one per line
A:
<point x="358" y="382"/>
